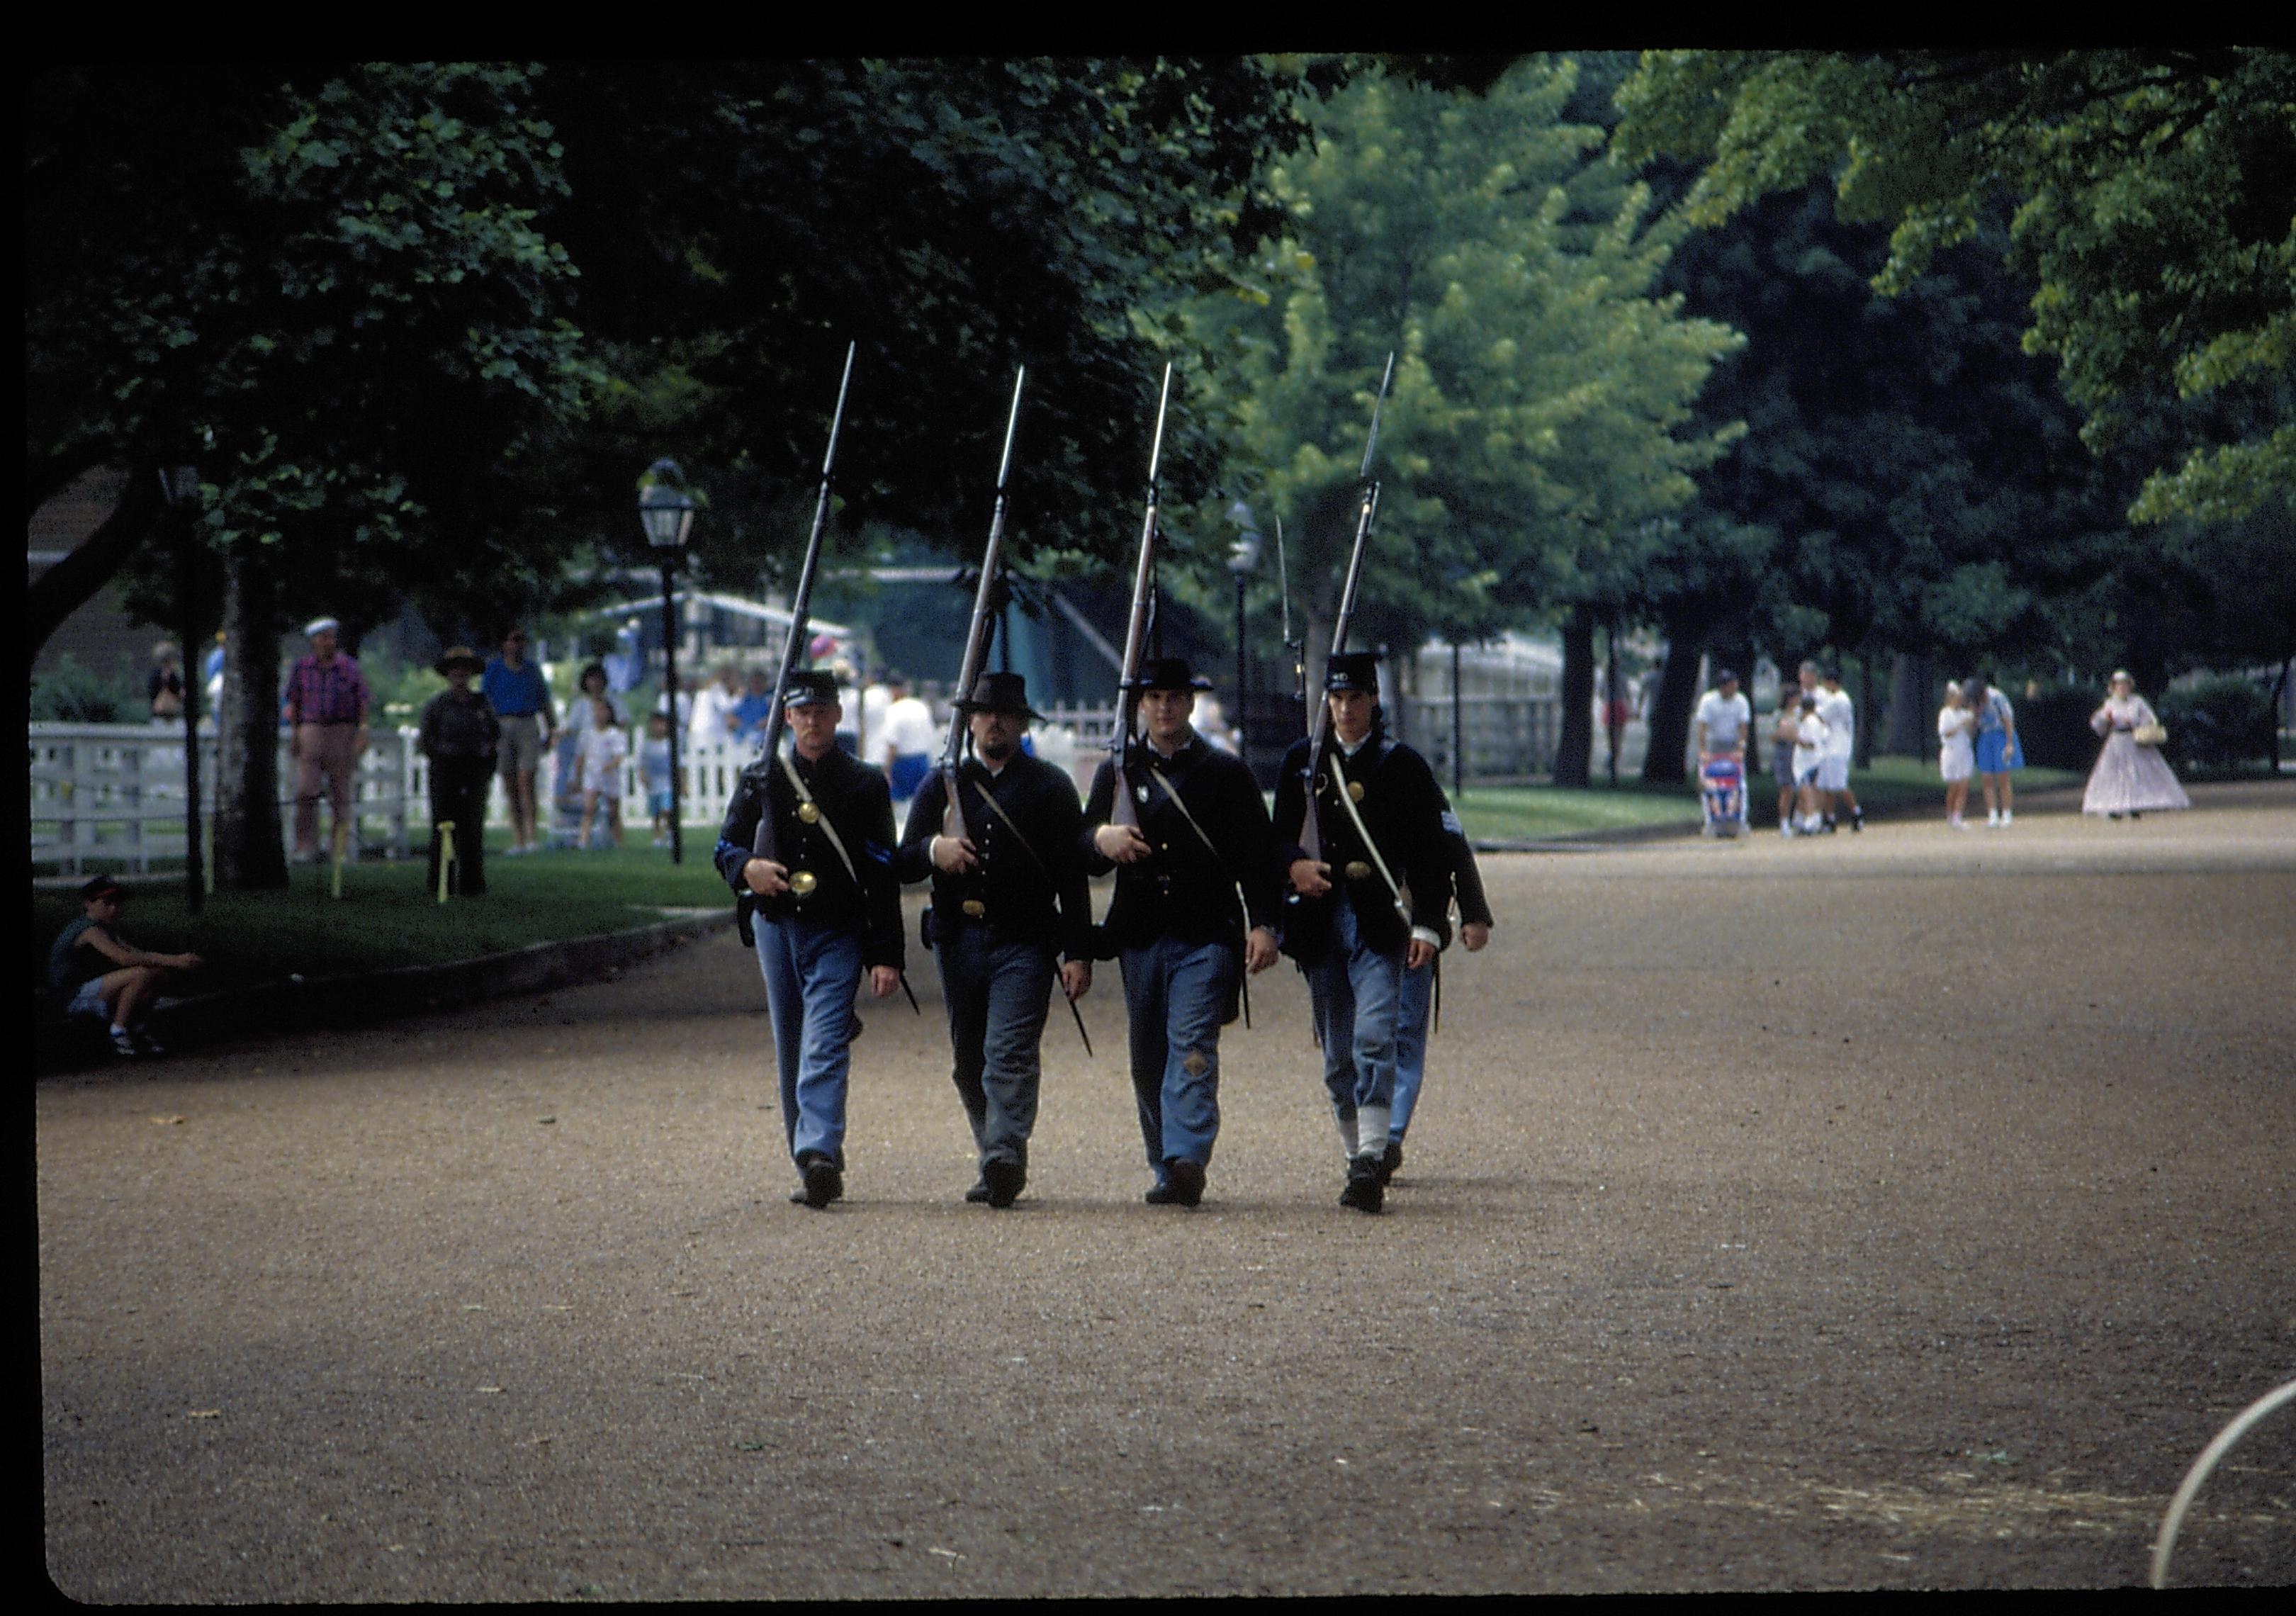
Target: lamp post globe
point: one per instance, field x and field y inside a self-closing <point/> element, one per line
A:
<point x="666" y="511"/>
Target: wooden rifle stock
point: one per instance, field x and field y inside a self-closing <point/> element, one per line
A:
<point x="764" y="844"/>
<point x="976" y="643"/>
<point x="1124" y="810"/>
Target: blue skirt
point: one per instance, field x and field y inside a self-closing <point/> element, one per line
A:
<point x="1998" y="751"/>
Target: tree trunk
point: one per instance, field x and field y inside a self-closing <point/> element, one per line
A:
<point x="1574" y="754"/>
<point x="249" y="853"/>
<point x="63" y="588"/>
<point x="1864" y="752"/>
<point x="1909" y="735"/>
<point x="1678" y="699"/>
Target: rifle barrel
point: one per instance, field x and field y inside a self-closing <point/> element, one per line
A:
<point x="976" y="639"/>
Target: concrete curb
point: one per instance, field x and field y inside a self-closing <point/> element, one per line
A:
<point x="364" y="1000"/>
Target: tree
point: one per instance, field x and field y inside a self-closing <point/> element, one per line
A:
<point x="332" y="298"/>
<point x="1534" y="430"/>
<point x="2150" y="193"/>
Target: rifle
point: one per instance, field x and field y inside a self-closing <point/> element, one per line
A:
<point x="765" y="843"/>
<point x="1311" y="832"/>
<point x="1125" y="808"/>
<point x="976" y="641"/>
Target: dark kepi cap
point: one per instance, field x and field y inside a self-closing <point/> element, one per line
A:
<point x="1168" y="673"/>
<point x="462" y="656"/>
<point x="1353" y="670"/>
<point x="100" y="886"/>
<point x="808" y="686"/>
<point x="1000" y="692"/>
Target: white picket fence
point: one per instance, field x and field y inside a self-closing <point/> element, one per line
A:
<point x="115" y="791"/>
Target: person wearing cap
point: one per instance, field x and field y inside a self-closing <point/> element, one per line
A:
<point x="1011" y="909"/>
<point x="519" y="695"/>
<point x="827" y="909"/>
<point x="461" y="736"/>
<point x="326" y="704"/>
<point x="1196" y="907"/>
<point x="1464" y="891"/>
<point x="95" y="971"/>
<point x="1350" y="923"/>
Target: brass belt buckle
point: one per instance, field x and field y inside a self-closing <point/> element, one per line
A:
<point x="973" y="908"/>
<point x="803" y="883"/>
<point x="1357" y="870"/>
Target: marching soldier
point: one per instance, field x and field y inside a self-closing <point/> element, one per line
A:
<point x="1463" y="885"/>
<point x="1352" y="927"/>
<point x="829" y="911"/>
<point x="1195" y="908"/>
<point x="1009" y="904"/>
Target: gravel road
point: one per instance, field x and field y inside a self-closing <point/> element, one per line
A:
<point x="1903" y="1210"/>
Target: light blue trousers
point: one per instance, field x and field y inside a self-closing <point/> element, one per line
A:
<point x="1174" y="994"/>
<point x="811" y="972"/>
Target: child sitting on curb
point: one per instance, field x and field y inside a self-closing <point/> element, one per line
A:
<point x="97" y="972"/>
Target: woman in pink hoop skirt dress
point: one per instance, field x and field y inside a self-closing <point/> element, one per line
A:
<point x="2128" y="778"/>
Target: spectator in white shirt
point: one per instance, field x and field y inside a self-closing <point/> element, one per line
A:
<point x="714" y="720"/>
<point x="1723" y="716"/>
<point x="904" y="746"/>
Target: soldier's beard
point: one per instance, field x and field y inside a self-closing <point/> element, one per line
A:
<point x="996" y="751"/>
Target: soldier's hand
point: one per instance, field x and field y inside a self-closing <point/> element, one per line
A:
<point x="884" y="981"/>
<point x="1259" y="950"/>
<point x="1474" y="934"/>
<point x="1124" y="844"/>
<point x="955" y="854"/>
<point x="1419" y="956"/>
<point x="1076" y="977"/>
<point x="767" y="879"/>
<point x="1310" y="878"/>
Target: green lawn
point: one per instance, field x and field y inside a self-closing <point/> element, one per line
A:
<point x="386" y="916"/>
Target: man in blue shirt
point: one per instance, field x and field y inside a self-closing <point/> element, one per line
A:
<point x="755" y="706"/>
<point x="516" y="689"/>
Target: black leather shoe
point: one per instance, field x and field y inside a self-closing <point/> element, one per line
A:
<point x="1163" y="1195"/>
<point x="1364" y="1191"/>
<point x="978" y="1196"/>
<point x="1003" y="1179"/>
<point x="1187" y="1179"/>
<point x="1390" y="1161"/>
<point x="823" y="1182"/>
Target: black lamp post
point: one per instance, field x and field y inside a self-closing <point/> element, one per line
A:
<point x="179" y="486"/>
<point x="666" y="509"/>
<point x="1242" y="556"/>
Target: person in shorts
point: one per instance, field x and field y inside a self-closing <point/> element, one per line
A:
<point x="1810" y="738"/>
<point x="95" y="971"/>
<point x="516" y="689"/>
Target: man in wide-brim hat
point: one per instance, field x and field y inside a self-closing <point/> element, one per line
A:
<point x="1195" y="908"/>
<point x="827" y="909"/>
<point x="1350" y="918"/>
<point x="462" y="736"/>
<point x="1009" y="907"/>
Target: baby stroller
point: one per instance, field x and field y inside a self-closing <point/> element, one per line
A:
<point x="1722" y="794"/>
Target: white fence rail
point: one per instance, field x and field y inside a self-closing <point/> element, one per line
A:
<point x="115" y="791"/>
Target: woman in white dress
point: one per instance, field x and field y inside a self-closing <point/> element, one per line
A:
<point x="2130" y="775"/>
<point x="1956" y="752"/>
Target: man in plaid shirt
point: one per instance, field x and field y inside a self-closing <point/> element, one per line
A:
<point x="326" y="706"/>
